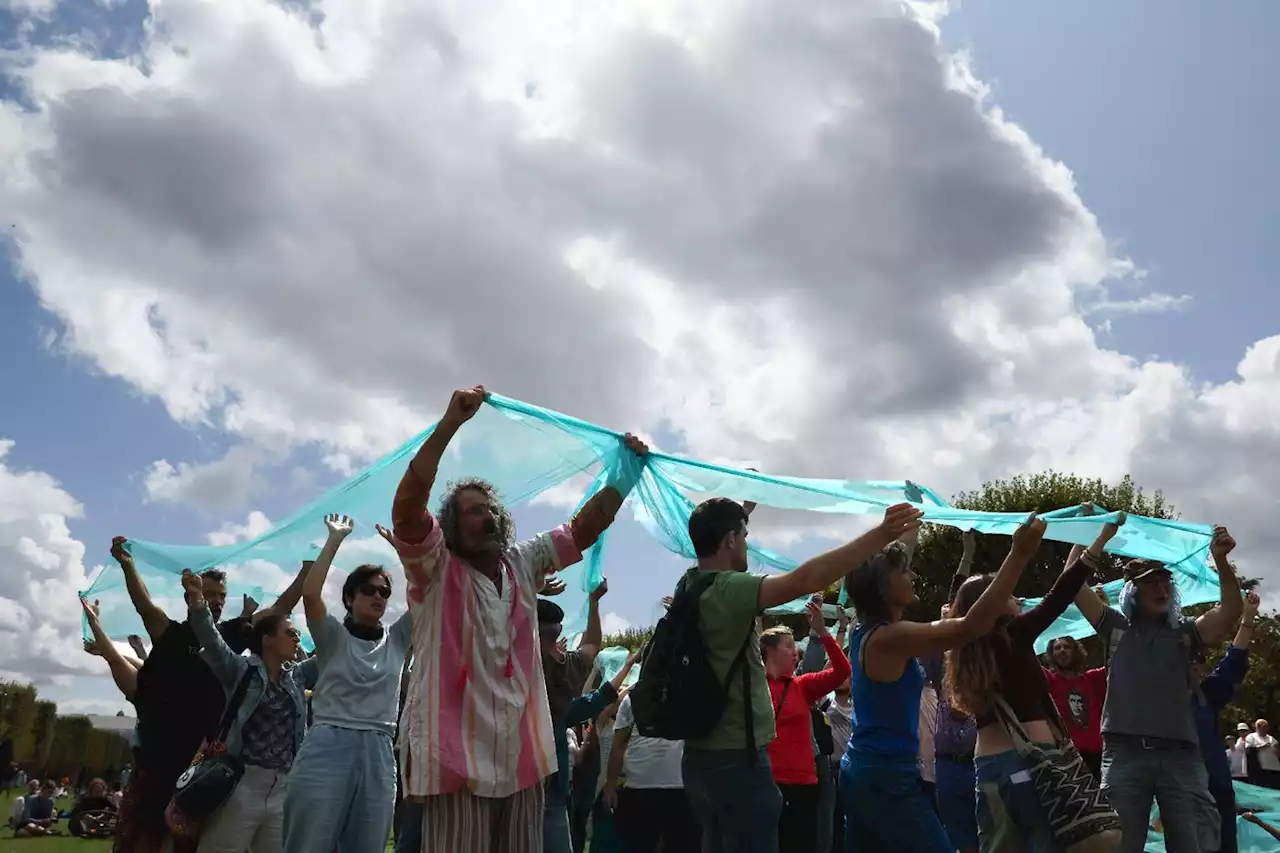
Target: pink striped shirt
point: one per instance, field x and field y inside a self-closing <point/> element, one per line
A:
<point x="476" y="716"/>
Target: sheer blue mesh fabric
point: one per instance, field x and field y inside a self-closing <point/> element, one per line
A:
<point x="527" y="452"/>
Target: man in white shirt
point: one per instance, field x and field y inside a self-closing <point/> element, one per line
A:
<point x="1260" y="739"/>
<point x="1237" y="755"/>
<point x="650" y="808"/>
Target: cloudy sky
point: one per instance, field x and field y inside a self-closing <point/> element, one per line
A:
<point x="250" y="246"/>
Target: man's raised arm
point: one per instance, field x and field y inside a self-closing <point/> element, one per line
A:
<point x="1214" y="626"/>
<point x="155" y="620"/>
<point x="602" y="508"/>
<point x="410" y="521"/>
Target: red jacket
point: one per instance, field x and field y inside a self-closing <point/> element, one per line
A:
<point x="1079" y="699"/>
<point x="791" y="752"/>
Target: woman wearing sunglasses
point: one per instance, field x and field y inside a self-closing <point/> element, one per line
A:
<point x="342" y="791"/>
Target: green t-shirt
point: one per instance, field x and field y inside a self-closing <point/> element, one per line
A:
<point x="728" y="610"/>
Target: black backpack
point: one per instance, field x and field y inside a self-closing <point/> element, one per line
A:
<point x="822" y="736"/>
<point x="678" y="696"/>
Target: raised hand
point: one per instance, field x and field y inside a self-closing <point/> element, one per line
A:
<point x="817" y="621"/>
<point x="193" y="587"/>
<point x="339" y="525"/>
<point x="635" y="445"/>
<point x="91" y="647"/>
<point x="1222" y="544"/>
<point x="899" y="520"/>
<point x="1027" y="538"/>
<point x="552" y="586"/>
<point x="249" y="607"/>
<point x="1087" y="508"/>
<point x="135" y="643"/>
<point x="912" y="492"/>
<point x="843" y="618"/>
<point x="91" y="611"/>
<point x="970" y="541"/>
<point x="464" y="404"/>
<point x="668" y="600"/>
<point x="1251" y="602"/>
<point x="1111" y="528"/>
<point x="562" y="646"/>
<point x="600" y="591"/>
<point x="386" y="534"/>
<point x="123" y="557"/>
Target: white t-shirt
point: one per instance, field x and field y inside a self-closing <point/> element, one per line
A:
<point x="928" y="721"/>
<point x="650" y="762"/>
<point x="1238" y="758"/>
<point x="1267" y="758"/>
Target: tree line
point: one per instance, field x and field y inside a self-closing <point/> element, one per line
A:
<point x="939" y="549"/>
<point x="48" y="745"/>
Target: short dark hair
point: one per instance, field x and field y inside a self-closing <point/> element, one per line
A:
<point x="863" y="585"/>
<point x="215" y="575"/>
<point x="265" y="627"/>
<point x="358" y="576"/>
<point x="711" y="521"/>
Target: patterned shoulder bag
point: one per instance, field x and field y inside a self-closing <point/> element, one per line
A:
<point x="1078" y="812"/>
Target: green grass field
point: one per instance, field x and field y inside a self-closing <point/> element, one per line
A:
<point x="62" y="844"/>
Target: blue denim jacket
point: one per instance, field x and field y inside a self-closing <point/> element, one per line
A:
<point x="230" y="667"/>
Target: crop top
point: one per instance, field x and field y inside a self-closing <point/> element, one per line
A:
<point x="1022" y="683"/>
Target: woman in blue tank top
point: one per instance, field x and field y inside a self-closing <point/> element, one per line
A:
<point x="883" y="796"/>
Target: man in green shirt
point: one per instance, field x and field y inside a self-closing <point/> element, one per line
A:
<point x="727" y="774"/>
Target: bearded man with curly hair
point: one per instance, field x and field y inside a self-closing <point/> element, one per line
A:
<point x="476" y="730"/>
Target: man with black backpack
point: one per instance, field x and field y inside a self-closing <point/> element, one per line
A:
<point x="704" y="681"/>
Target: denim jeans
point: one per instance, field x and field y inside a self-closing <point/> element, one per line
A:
<point x="342" y="792"/>
<point x="556" y="837"/>
<point x="1137" y="770"/>
<point x="734" y="796"/>
<point x="957" y="804"/>
<point x="1010" y="817"/>
<point x="886" y="806"/>
<point x="1225" y="797"/>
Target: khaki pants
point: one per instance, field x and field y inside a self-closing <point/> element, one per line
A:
<point x="252" y="817"/>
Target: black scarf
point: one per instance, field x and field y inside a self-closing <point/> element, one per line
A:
<point x="372" y="633"/>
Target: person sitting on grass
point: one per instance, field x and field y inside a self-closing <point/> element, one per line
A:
<point x="94" y="813"/>
<point x="39" y="815"/>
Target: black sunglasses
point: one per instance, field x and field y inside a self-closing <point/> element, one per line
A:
<point x="375" y="589"/>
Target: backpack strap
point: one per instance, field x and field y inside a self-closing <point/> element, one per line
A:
<point x="233" y="704"/>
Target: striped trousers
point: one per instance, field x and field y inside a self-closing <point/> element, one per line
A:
<point x="464" y="823"/>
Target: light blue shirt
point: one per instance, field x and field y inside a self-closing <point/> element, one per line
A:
<point x="359" y="684"/>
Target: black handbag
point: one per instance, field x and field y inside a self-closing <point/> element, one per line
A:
<point x="213" y="775"/>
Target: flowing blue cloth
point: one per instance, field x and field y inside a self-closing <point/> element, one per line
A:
<point x="535" y="456"/>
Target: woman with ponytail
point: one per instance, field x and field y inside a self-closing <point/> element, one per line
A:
<point x="997" y="677"/>
<point x="342" y="791"/>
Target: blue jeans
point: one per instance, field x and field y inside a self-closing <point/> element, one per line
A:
<point x="556" y="837"/>
<point x="886" y="806"/>
<point x="342" y="791"/>
<point x="1137" y="770"/>
<point x="957" y="805"/>
<point x="734" y="796"/>
<point x="1010" y="817"/>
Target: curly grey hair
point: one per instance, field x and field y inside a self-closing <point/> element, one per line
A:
<point x="448" y="514"/>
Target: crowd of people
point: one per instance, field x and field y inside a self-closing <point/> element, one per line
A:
<point x="466" y="724"/>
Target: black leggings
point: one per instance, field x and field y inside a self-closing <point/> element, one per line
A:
<point x="647" y="817"/>
<point x="798" y="824"/>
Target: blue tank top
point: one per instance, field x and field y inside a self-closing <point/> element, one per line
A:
<point x="886" y="716"/>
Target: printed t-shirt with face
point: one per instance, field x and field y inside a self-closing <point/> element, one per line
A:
<point x="650" y="762"/>
<point x="179" y="700"/>
<point x="727" y="613"/>
<point x="1080" y="700"/>
<point x="1149" y="677"/>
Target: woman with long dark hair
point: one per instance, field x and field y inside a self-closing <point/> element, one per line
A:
<point x="1001" y="670"/>
<point x="884" y="799"/>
